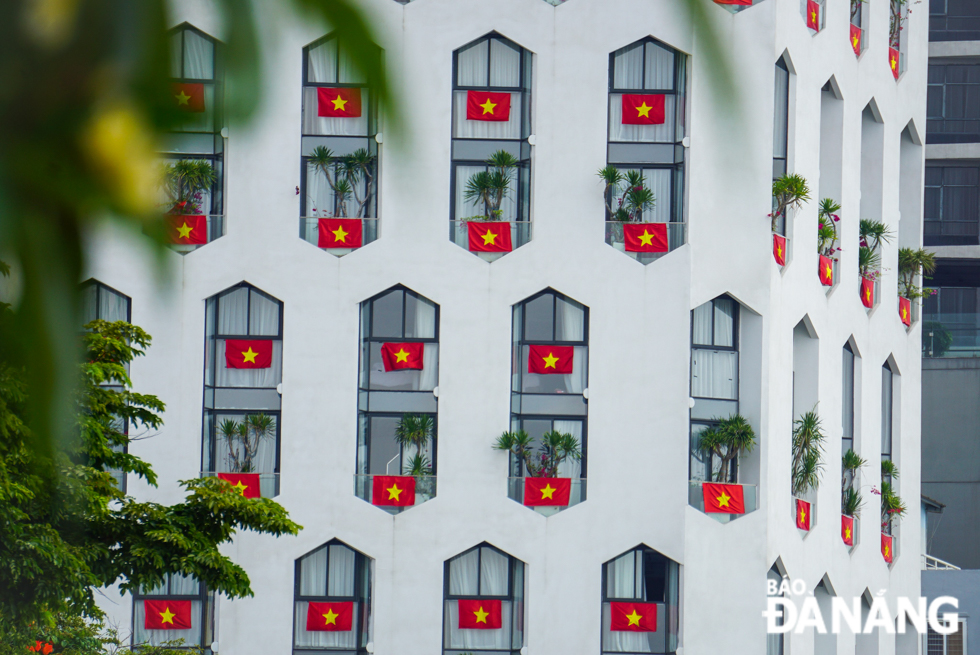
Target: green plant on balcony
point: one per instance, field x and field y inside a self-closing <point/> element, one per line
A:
<point x="897" y="16"/>
<point x="911" y="263"/>
<point x="892" y="506"/>
<point x="185" y="182"/>
<point x="851" y="498"/>
<point x="634" y="196"/>
<point x="244" y="438"/>
<point x="808" y="439"/>
<point x="728" y="439"/>
<point x="347" y="177"/>
<point x="414" y="431"/>
<point x="489" y="188"/>
<point x="827" y="220"/>
<point x="788" y="191"/>
<point x="871" y="235"/>
<point x="936" y="339"/>
<point x="555" y="448"/>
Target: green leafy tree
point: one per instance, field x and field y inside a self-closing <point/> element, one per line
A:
<point x="555" y="448"/>
<point x="730" y="439"/>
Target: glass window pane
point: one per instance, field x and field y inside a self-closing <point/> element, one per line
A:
<point x="113" y="306"/>
<point x="569" y="321"/>
<point x="505" y="65"/>
<point x="628" y="68"/>
<point x="264" y="316"/>
<point x="463" y="574"/>
<point x="660" y="68"/>
<point x="471" y="65"/>
<point x="701" y="319"/>
<point x="539" y="315"/>
<point x="714" y="374"/>
<point x="654" y="577"/>
<point x="198" y="56"/>
<point x="322" y="63"/>
<point x="176" y="54"/>
<point x="232" y="312"/>
<point x="494" y="573"/>
<point x="387" y="319"/>
<point x="349" y="73"/>
<point x="90" y="310"/>
<point x="780" y="113"/>
<point x="621" y="576"/>
<point x="385" y="458"/>
<point x="724" y="322"/>
<point x="313" y="574"/>
<point x="340" y="577"/>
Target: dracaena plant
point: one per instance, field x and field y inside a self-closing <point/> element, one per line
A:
<point x="555" y="447"/>
<point x="851" y="499"/>
<point x="633" y="195"/>
<point x="788" y="191"/>
<point x="827" y="220"/>
<point x="488" y="188"/>
<point x="892" y="506"/>
<point x="912" y="263"/>
<point x="871" y="235"/>
<point x="414" y="431"/>
<point x="808" y="439"/>
<point x="243" y="440"/>
<point x="728" y="440"/>
<point x="348" y="176"/>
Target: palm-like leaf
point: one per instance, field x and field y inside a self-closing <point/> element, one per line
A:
<point x="788" y="191"/>
<point x="418" y="465"/>
<point x="414" y="430"/>
<point x="808" y="438"/>
<point x="874" y="233"/>
<point x="851" y="502"/>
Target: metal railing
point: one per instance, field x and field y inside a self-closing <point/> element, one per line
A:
<point x="950" y="335"/>
<point x="930" y="563"/>
<point x="515" y="491"/>
<point x="676" y="237"/>
<point x="425" y="489"/>
<point x="520" y="234"/>
<point x="309" y="231"/>
<point x="696" y="500"/>
<point x="268" y="482"/>
<point x="216" y="230"/>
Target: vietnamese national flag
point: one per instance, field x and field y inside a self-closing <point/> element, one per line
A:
<point x="545" y="360"/>
<point x="723" y="498"/>
<point x="247" y="484"/>
<point x="643" y="109"/>
<point x="813" y="15"/>
<point x="856" y="39"/>
<point x="867" y="292"/>
<point x="632" y="617"/>
<point x="547" y="492"/>
<point x="779" y="249"/>
<point x="338" y="102"/>
<point x="393" y="491"/>
<point x="826" y="271"/>
<point x="893" y="61"/>
<point x="905" y="310"/>
<point x="487" y="106"/>
<point x="167" y="614"/>
<point x="330" y="617"/>
<point x="886" y="547"/>
<point x="339" y="233"/>
<point x="645" y="237"/>
<point x="187" y="229"/>
<point x="248" y="353"/>
<point x="396" y="356"/>
<point x="802" y="515"/>
<point x="491" y="236"/>
<point x="479" y="614"/>
<point x="189" y="97"/>
<point x="847" y="529"/>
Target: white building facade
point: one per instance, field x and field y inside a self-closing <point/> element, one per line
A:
<point x="653" y="362"/>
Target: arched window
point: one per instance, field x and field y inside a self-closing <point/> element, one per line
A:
<point x="640" y="589"/>
<point x="181" y="602"/>
<point x="483" y="603"/>
<point x="242" y="370"/>
<point x="332" y="600"/>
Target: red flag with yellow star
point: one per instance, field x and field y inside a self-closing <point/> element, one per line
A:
<point x="489" y="237"/>
<point x="643" y="109"/>
<point x="893" y="59"/>
<point x="187" y="229"/>
<point x="338" y="102"/>
<point x="632" y="617"/>
<point x="247" y="484"/>
<point x="248" y="353"/>
<point x="886" y="547"/>
<point x="779" y="249"/>
<point x="189" y="97"/>
<point x="645" y="237"/>
<point x="340" y="233"/>
<point x="487" y="106"/>
<point x="867" y="292"/>
<point x="723" y="498"/>
<point x="545" y="360"/>
<point x="393" y="490"/>
<point x="847" y="529"/>
<point x="330" y="617"/>
<point x="547" y="492"/>
<point x="802" y="515"/>
<point x="826" y="271"/>
<point x="856" y="39"/>
<point x="813" y="15"/>
<point x="396" y="356"/>
<point x="905" y="310"/>
<point x="167" y="614"/>
<point x="479" y="614"/>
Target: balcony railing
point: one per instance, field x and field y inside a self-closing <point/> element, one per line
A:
<point x="520" y="234"/>
<point x="425" y="489"/>
<point x="950" y="335"/>
<point x="268" y="482"/>
<point x="930" y="563"/>
<point x="696" y="500"/>
<point x="309" y="231"/>
<point x="515" y="491"/>
<point x="676" y="237"/>
<point x="216" y="230"/>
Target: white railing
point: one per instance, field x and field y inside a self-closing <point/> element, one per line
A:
<point x="309" y="231"/>
<point x="520" y="234"/>
<point x="930" y="563"/>
<point x="515" y="491"/>
<point x="676" y="237"/>
<point x="696" y="499"/>
<point x="268" y="482"/>
<point x="425" y="489"/>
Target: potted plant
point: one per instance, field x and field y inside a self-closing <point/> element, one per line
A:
<point x="344" y="176"/>
<point x="787" y="191"/>
<point x="186" y="180"/>
<point x="827" y="237"/>
<point x="634" y="199"/>
<point x="936" y="339"/>
<point x="243" y="440"/>
<point x="555" y="448"/>
<point x="728" y="440"/>
<point x="489" y="188"/>
<point x="912" y="263"/>
<point x="808" y="438"/>
<point x="414" y="432"/>
<point x="892" y="506"/>
<point x="871" y="234"/>
<point x="851" y="498"/>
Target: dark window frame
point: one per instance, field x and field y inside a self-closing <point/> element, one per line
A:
<point x="215" y="59"/>
<point x="847" y="419"/>
<point x="781" y="64"/>
<point x="554" y="320"/>
<point x="206" y="617"/>
<point x="367" y="416"/>
<point x="517" y="420"/>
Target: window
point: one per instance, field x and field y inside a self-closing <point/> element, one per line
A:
<point x="847" y="399"/>
<point x="955" y="311"/>
<point x="396" y="316"/>
<point x="340" y="123"/>
<point x="952" y="204"/>
<point x="954" y="20"/>
<point x="714" y="379"/>
<point x="487" y="574"/>
<point x="336" y="576"/>
<point x="544" y="402"/>
<point x="780" y="132"/>
<point x="181" y="590"/>
<point x="645" y="576"/>
<point x="954" y="644"/>
<point x="887" y="380"/>
<point x="238" y="393"/>
<point x="953" y="101"/>
<point x="496" y="65"/>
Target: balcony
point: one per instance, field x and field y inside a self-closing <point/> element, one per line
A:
<point x="425" y="490"/>
<point x="676" y="237"/>
<point x="215" y="230"/>
<point x="696" y="500"/>
<point x="520" y="234"/>
<point x="268" y="482"/>
<point x="515" y="491"/>
<point x="950" y="335"/>
<point x="309" y="231"/>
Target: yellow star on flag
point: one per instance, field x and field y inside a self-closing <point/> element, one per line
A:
<point x="894" y="63"/>
<point x="867" y="294"/>
<point x="905" y="314"/>
<point x="394" y="493"/>
<point x="886" y="551"/>
<point x="249" y="356"/>
<point x="813" y="17"/>
<point x="338" y="103"/>
<point x="330" y="618"/>
<point x="830" y="273"/>
<point x="166" y="616"/>
<point x="854" y="40"/>
<point x="183" y="98"/>
<point x="779" y="251"/>
<point x="488" y="106"/>
<point x="847" y="533"/>
<point x="184" y="231"/>
<point x="401" y="356"/>
<point x="634" y="618"/>
<point x="723" y="499"/>
<point x="802" y="515"/>
<point x="339" y="235"/>
<point x="643" y="110"/>
<point x="488" y="236"/>
<point x="240" y="488"/>
<point x="548" y="492"/>
<point x="646" y="239"/>
<point x="550" y="360"/>
<point x="481" y="616"/>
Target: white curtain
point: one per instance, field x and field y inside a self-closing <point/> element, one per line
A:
<point x="658" y="181"/>
<point x="325" y="125"/>
<point x="264" y="316"/>
<point x="233" y="312"/>
<point x="463" y="572"/>
<point x="701" y="320"/>
<point x="322" y="639"/>
<point x="265" y="378"/>
<point x="570" y="468"/>
<point x="662" y="133"/>
<point x="471" y="65"/>
<point x="467" y="129"/>
<point x="176" y="51"/>
<point x="322" y="63"/>
<point x="505" y="65"/>
<point x="198" y="57"/>
<point x="724" y="322"/>
<point x="319" y="195"/>
<point x="713" y="374"/>
<point x="628" y="69"/>
<point x="313" y="574"/>
<point x="478" y="639"/>
<point x="340" y="581"/>
<point x="429" y="376"/>
<point x="660" y="68"/>
<point x="572" y="328"/>
<point x="264" y="460"/>
<point x="112" y="306"/>
<point x="493" y="573"/>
